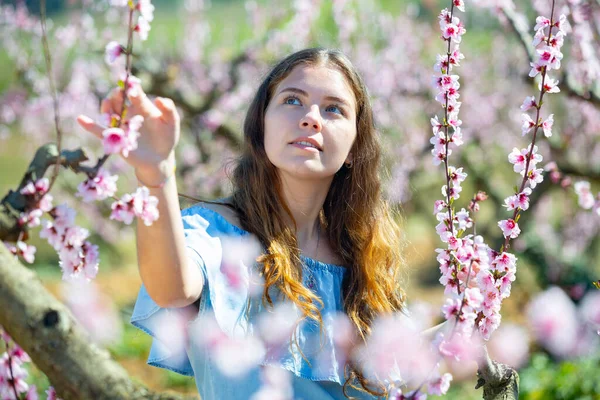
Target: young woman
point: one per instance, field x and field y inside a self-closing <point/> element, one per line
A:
<point x="307" y="187"/>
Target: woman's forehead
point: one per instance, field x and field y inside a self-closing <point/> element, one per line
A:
<point x="323" y="80"/>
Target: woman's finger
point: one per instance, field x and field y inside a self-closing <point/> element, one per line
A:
<point x="142" y="103"/>
<point x="168" y="110"/>
<point x="91" y="126"/>
<point x="106" y="107"/>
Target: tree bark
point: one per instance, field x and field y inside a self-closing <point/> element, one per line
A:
<point x="499" y="381"/>
<point x="57" y="344"/>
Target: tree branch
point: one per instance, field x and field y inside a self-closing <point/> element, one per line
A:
<point x="499" y="381"/>
<point x="526" y="40"/>
<point x="14" y="203"/>
<point x="59" y="347"/>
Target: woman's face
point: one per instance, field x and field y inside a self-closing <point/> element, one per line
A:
<point x="315" y="104"/>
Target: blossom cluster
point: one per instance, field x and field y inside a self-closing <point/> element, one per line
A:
<point x="139" y="204"/>
<point x="585" y="197"/>
<point x="78" y="257"/>
<point x="13" y="374"/>
<point x="548" y="49"/>
<point x="477" y="278"/>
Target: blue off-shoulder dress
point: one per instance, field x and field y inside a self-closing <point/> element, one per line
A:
<point x="318" y="375"/>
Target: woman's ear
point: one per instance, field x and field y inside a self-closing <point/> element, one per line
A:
<point x="349" y="159"/>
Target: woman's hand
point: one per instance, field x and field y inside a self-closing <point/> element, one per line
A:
<point x="154" y="158"/>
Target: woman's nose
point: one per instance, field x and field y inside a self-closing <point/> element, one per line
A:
<point x="312" y="119"/>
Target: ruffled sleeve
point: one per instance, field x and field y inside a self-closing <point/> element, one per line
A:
<point x="203" y="231"/>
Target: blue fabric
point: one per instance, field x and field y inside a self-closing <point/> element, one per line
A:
<point x="319" y="376"/>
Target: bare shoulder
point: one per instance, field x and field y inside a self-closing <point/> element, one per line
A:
<point x="226" y="212"/>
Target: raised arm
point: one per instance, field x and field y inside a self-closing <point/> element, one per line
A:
<point x="170" y="278"/>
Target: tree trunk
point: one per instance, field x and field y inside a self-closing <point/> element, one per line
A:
<point x="57" y="344"/>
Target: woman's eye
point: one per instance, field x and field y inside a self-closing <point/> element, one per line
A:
<point x="291" y="100"/>
<point x="334" y="107"/>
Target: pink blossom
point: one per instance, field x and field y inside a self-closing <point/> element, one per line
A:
<point x="562" y="23"/>
<point x="456" y="56"/>
<point x="464" y="220"/>
<point x="81" y="263"/>
<point x="534" y="176"/>
<point x="509" y="228"/>
<point x="276" y="327"/>
<point x="20" y="355"/>
<point x="31" y="218"/>
<point x="145" y="206"/>
<point x="438" y="206"/>
<point x="535" y="69"/>
<point x="541" y="23"/>
<point x="100" y="187"/>
<point x="439" y="154"/>
<point x="453" y="192"/>
<point x="32" y="393"/>
<point x="42" y="185"/>
<point x="395" y="347"/>
<point x="45" y="203"/>
<point x="550" y="85"/>
<point x="142" y="28"/>
<point x="489" y="324"/>
<point x="118" y="3"/>
<point x="505" y="284"/>
<point x="550" y="57"/>
<point x="436" y="125"/>
<point x="460" y="4"/>
<point x="584" y="194"/>
<point x="64" y="216"/>
<point x="439" y="385"/>
<point x="454" y="30"/>
<point x="146" y="9"/>
<point x="122" y="210"/>
<point x="553" y="319"/>
<point x="459" y="347"/>
<point x="539" y="37"/>
<point x="115" y="141"/>
<point x="520" y="200"/>
<point x="473" y="297"/>
<point x="510" y="345"/>
<point x="528" y="103"/>
<point x="505" y="262"/>
<point x="445" y="17"/>
<point x="94" y="310"/>
<point x="112" y="51"/>
<point x="457" y="137"/>
<point x="446" y="82"/>
<point x="528" y="124"/>
<point x="26" y="251"/>
<point x="438" y="141"/>
<point x="238" y="254"/>
<point x="453" y="121"/>
<point x="454" y="243"/>
<point x="457" y="176"/>
<point x="519" y="158"/>
<point x="547" y="125"/>
<point x="557" y="40"/>
<point x="51" y="392"/>
<point x="28" y="189"/>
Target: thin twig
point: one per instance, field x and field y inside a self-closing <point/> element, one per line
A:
<point x="53" y="93"/>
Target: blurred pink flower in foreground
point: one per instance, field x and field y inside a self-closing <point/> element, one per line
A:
<point x="553" y="320"/>
<point x="510" y="345"/>
<point x="94" y="310"/>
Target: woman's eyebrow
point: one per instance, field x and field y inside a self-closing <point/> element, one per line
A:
<point x="303" y="93"/>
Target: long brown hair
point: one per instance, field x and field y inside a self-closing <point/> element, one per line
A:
<point x="359" y="223"/>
